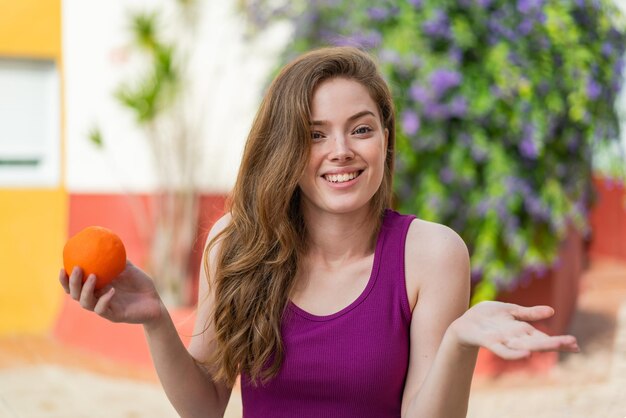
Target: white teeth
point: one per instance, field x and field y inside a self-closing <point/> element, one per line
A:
<point x="340" y="178"/>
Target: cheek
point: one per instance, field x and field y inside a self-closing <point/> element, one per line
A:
<point x="377" y="156"/>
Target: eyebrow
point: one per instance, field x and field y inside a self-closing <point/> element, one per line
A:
<point x="350" y="119"/>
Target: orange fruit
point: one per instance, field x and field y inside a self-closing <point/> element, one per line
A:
<point x="97" y="251"/>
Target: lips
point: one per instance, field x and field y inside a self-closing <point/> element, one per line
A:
<point x="342" y="177"/>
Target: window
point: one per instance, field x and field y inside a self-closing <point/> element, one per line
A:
<point x="30" y="132"/>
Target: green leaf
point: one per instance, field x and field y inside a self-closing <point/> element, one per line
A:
<point x="95" y="137"/>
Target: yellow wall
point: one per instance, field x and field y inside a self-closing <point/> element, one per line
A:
<point x="33" y="222"/>
<point x="32" y="234"/>
<point x="30" y="28"/>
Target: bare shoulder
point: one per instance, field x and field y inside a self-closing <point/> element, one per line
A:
<point x="435" y="256"/>
<point x="435" y="242"/>
<point x="218" y="227"/>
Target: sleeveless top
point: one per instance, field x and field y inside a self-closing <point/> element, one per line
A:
<point x="352" y="363"/>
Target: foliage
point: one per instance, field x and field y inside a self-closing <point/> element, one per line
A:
<point x="158" y="98"/>
<point x="501" y="105"/>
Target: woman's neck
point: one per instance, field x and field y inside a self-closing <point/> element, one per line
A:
<point x="336" y="239"/>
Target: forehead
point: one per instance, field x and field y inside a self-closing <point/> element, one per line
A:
<point x="338" y="97"/>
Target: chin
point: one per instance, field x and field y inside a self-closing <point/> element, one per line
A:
<point x="346" y="208"/>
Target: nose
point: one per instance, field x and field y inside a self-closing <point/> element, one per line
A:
<point x="341" y="150"/>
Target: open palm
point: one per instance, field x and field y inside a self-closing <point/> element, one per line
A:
<point x="505" y="329"/>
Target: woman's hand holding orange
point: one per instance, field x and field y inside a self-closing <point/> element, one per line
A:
<point x="131" y="297"/>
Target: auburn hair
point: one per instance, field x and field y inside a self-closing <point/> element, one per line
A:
<point x="259" y="250"/>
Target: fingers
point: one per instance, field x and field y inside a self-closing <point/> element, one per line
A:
<point x="76" y="283"/>
<point x="532" y="313"/>
<point x="508" y="353"/>
<point x="543" y="342"/>
<point x="520" y="349"/>
<point x="64" y="280"/>
<point x="103" y="303"/>
<point x="87" y="298"/>
<point x="84" y="293"/>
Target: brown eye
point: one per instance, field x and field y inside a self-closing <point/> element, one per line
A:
<point x="316" y="136"/>
<point x="362" y="130"/>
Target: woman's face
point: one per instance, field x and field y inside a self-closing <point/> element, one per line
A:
<point x="349" y="144"/>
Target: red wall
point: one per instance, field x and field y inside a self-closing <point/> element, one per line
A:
<point x="124" y="342"/>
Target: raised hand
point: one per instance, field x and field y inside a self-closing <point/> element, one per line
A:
<point x="130" y="298"/>
<point x="505" y="329"/>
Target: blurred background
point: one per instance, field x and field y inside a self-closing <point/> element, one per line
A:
<point x="133" y="115"/>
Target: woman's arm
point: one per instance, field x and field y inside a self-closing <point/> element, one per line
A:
<point x="440" y="374"/>
<point x="445" y="336"/>
<point x="187" y="383"/>
<point x="132" y="298"/>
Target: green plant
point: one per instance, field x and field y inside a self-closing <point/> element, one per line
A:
<point x="500" y="105"/>
<point x="158" y="97"/>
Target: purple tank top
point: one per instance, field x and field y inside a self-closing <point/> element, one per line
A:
<point x="352" y="363"/>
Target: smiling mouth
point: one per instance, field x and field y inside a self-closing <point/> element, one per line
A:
<point x="342" y="178"/>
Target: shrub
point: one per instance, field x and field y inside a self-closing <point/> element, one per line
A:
<point x="500" y="106"/>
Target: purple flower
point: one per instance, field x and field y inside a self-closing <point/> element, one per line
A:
<point x="541" y="17"/>
<point x="593" y="89"/>
<point x="405" y="191"/>
<point x="458" y="107"/>
<point x="443" y="80"/>
<point x="581" y="207"/>
<point x="378" y="13"/>
<point x="483" y="207"/>
<point x="477" y="274"/>
<point x="416" y="3"/>
<point x="496" y="92"/>
<point x="410" y="122"/>
<point x="541" y="271"/>
<point x="499" y="205"/>
<point x="437" y="27"/>
<point x="434" y="202"/>
<point x="526" y="6"/>
<point x="479" y="155"/>
<point x="465" y="139"/>
<point x="484" y="3"/>
<point x="497" y="29"/>
<point x="526" y="26"/>
<point x="528" y="148"/>
<point x="607" y="49"/>
<point x="390" y="56"/>
<point x="456" y="55"/>
<point x="446" y="175"/>
<point x="435" y="111"/>
<point x="368" y="40"/>
<point x="573" y="143"/>
<point x="419" y="94"/>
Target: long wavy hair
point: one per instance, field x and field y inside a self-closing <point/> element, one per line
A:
<point x="260" y="249"/>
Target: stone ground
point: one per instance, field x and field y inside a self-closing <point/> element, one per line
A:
<point x="40" y="378"/>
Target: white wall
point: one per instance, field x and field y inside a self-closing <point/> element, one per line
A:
<point x="229" y="76"/>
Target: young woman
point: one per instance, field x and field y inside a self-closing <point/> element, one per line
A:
<point x="325" y="301"/>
